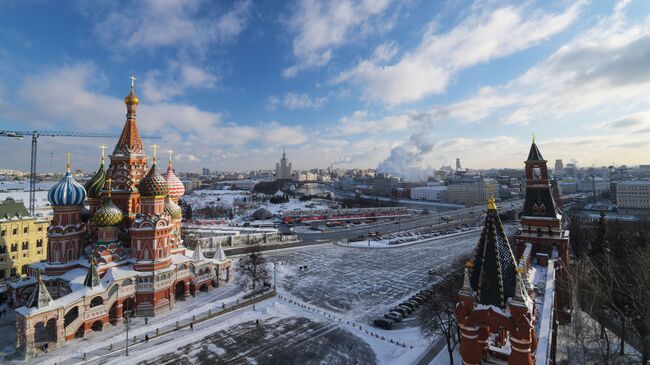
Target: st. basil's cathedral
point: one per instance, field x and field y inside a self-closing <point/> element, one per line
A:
<point x="123" y="252"/>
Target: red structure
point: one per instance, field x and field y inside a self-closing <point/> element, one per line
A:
<point x="126" y="255"/>
<point x="508" y="302"/>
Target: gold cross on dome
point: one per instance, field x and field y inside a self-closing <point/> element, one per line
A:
<point x="67" y="165"/>
<point x="155" y="147"/>
<point x="132" y="81"/>
<point x="110" y="189"/>
<point x="533" y="137"/>
<point x="103" y="154"/>
<point x="170" y="156"/>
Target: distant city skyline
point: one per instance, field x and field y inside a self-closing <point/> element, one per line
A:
<point x="403" y="86"/>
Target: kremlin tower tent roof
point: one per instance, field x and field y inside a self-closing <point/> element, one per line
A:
<point x="67" y="191"/>
<point x="494" y="274"/>
<point x="534" y="154"/>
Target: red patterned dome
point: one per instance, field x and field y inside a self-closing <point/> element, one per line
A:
<point x="175" y="187"/>
<point x="153" y="184"/>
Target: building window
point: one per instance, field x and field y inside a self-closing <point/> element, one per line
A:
<point x="26" y="230"/>
<point x="2" y="274"/>
<point x="3" y="233"/>
<point x="23" y="269"/>
<point x="25" y="245"/>
<point x="14" y="247"/>
<point x="39" y="243"/>
<point x="3" y="249"/>
<point x="13" y="271"/>
<point x="15" y="231"/>
<point x="40" y="228"/>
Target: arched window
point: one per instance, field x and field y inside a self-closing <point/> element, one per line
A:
<point x="127" y="282"/>
<point x="96" y="301"/>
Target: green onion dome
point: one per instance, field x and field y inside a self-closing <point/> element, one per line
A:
<point x="108" y="215"/>
<point x="172" y="208"/>
<point x="153" y="184"/>
<point x="95" y="185"/>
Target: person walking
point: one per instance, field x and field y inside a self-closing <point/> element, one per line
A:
<point x="146" y="321"/>
<point x="146" y="338"/>
<point x="191" y="326"/>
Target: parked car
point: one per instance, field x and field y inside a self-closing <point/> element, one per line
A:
<point x="407" y="304"/>
<point x="383" y="323"/>
<point x="394" y="316"/>
<point x="403" y="311"/>
<point x="415" y="304"/>
<point x="432" y="271"/>
<point x="417" y="300"/>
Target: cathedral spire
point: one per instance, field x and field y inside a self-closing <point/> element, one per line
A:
<point x="40" y="296"/>
<point x="130" y="142"/>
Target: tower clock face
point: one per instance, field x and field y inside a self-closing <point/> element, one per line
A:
<point x="537" y="173"/>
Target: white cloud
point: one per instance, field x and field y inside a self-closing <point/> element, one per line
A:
<point x="69" y="98"/>
<point x="302" y="101"/>
<point x="478" y="38"/>
<point x="277" y="134"/>
<point x="184" y="24"/>
<point x="178" y="78"/>
<point x="602" y="70"/>
<point x="294" y="100"/>
<point x="321" y="26"/>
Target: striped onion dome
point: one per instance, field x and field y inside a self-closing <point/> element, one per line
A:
<point x="95" y="185"/>
<point x="67" y="192"/>
<point x="174" y="185"/>
<point x="108" y="214"/>
<point x="153" y="184"/>
<point x="172" y="208"/>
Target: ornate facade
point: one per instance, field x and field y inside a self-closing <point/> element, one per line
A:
<point x="127" y="254"/>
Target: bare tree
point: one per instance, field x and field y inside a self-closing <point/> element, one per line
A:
<point x="438" y="317"/>
<point x="252" y="271"/>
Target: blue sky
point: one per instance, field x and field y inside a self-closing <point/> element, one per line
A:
<point x="405" y="86"/>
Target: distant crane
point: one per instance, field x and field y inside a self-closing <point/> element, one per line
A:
<point x="44" y="133"/>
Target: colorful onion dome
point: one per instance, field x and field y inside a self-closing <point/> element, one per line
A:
<point x="108" y="214"/>
<point x="174" y="185"/>
<point x="67" y="191"/>
<point x="172" y="208"/>
<point x="95" y="185"/>
<point x="153" y="184"/>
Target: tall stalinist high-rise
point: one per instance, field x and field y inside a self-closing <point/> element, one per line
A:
<point x="283" y="168"/>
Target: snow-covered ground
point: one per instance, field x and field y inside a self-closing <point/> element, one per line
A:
<point x="401" y="239"/>
<point x="323" y="313"/>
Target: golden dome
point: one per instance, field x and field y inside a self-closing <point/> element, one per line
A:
<point x="131" y="99"/>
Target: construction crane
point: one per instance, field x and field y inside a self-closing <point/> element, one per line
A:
<point x="44" y="133"/>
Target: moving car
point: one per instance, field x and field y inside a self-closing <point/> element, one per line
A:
<point x="385" y="324"/>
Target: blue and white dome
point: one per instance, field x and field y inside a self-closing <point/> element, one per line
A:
<point x="67" y="192"/>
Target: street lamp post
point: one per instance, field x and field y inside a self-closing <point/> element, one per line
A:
<point x="126" y="322"/>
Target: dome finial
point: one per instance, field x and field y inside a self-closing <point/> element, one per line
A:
<point x="155" y="147"/>
<point x="491" y="203"/>
<point x="67" y="165"/>
<point x="132" y="99"/>
<point x="533" y="137"/>
<point x="170" y="156"/>
<point x="110" y="188"/>
<point x="103" y="153"/>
